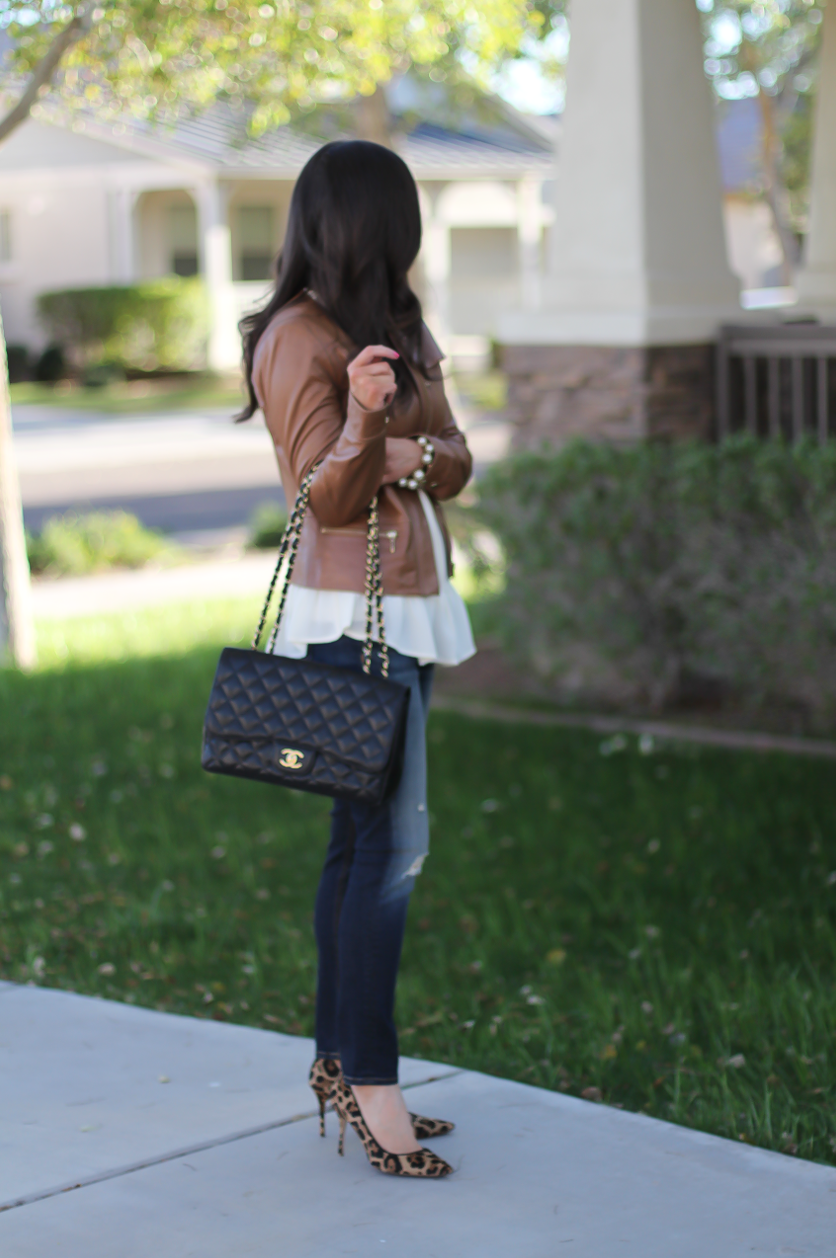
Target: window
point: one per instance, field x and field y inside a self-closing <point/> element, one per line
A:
<point x="182" y="235"/>
<point x="255" y="241"/>
<point x="5" y="236"/>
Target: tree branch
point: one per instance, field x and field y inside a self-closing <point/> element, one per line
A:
<point x="44" y="72"/>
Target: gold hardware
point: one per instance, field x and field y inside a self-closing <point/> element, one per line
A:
<point x="391" y="535"/>
<point x="291" y="758"/>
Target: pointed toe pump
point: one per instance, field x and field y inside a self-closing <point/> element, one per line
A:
<point x="423" y="1164"/>
<point x="323" y="1077"/>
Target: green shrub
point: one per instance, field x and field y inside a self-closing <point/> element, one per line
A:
<point x="267" y="524"/>
<point x="638" y="575"/>
<point x="158" y="325"/>
<point x="18" y="363"/>
<point x="100" y="375"/>
<point x="75" y="544"/>
<point x="51" y="366"/>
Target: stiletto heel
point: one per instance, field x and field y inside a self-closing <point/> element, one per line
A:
<point x="324" y="1073"/>
<point x="423" y="1164"/>
<point x="323" y="1077"/>
<point x="340" y="1146"/>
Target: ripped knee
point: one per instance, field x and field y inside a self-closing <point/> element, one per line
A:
<point x="415" y="868"/>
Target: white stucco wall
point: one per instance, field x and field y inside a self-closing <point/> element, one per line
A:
<point x="59" y="240"/>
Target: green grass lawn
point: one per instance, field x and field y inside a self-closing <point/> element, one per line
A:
<point x="131" y="397"/>
<point x="652" y="926"/>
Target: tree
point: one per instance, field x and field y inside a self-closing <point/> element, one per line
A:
<point x="767" y="49"/>
<point x="155" y="58"/>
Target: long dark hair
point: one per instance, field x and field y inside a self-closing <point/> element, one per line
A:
<point x="353" y="232"/>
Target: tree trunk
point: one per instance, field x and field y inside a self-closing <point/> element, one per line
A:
<point x="17" y="629"/>
<point x="44" y="72"/>
<point x="372" y="118"/>
<point x="775" y="191"/>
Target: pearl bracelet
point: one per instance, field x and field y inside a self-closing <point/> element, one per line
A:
<point x="420" y="474"/>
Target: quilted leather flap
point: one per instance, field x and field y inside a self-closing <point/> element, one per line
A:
<point x="305" y="704"/>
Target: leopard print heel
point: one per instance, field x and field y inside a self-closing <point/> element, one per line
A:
<point x="421" y="1165"/>
<point x="325" y="1072"/>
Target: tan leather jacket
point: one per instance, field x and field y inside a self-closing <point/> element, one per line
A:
<point x="301" y="382"/>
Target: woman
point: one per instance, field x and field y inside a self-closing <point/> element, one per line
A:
<point x="348" y="378"/>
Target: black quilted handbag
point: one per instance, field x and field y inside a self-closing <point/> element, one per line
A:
<point x="309" y="726"/>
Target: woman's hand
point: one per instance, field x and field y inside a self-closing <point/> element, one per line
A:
<point x="371" y="379"/>
<point x="403" y="457"/>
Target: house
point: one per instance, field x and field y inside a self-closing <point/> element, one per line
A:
<point x="86" y="202"/>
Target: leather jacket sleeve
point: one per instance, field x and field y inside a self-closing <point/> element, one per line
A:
<point x="450" y="469"/>
<point x="312" y="417"/>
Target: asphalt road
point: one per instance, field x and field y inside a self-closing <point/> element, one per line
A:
<point x="181" y="473"/>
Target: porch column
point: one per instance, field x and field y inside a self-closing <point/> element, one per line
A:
<point x="529" y="229"/>
<point x="122" y="227"/>
<point x="816" y="279"/>
<point x="638" y="278"/>
<point x="215" y="245"/>
<point x="435" y="250"/>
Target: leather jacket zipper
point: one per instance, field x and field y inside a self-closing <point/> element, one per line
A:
<point x="391" y="535"/>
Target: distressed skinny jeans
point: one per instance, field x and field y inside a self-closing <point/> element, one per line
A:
<point x="373" y="858"/>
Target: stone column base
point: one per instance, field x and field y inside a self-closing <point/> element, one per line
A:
<point x="608" y="393"/>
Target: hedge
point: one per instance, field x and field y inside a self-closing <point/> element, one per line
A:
<point x="74" y="543"/>
<point x="656" y="574"/>
<point x="160" y="325"/>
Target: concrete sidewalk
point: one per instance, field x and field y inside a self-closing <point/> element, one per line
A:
<point x="126" y="1133"/>
<point x="234" y="576"/>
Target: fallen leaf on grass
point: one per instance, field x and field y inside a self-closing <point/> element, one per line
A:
<point x="556" y="956"/>
<point x="592" y="1094"/>
<point x="430" y="1019"/>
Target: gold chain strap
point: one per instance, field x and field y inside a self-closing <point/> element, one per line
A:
<point x="373" y="586"/>
<point x="374" y="594"/>
<point x="290" y="538"/>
